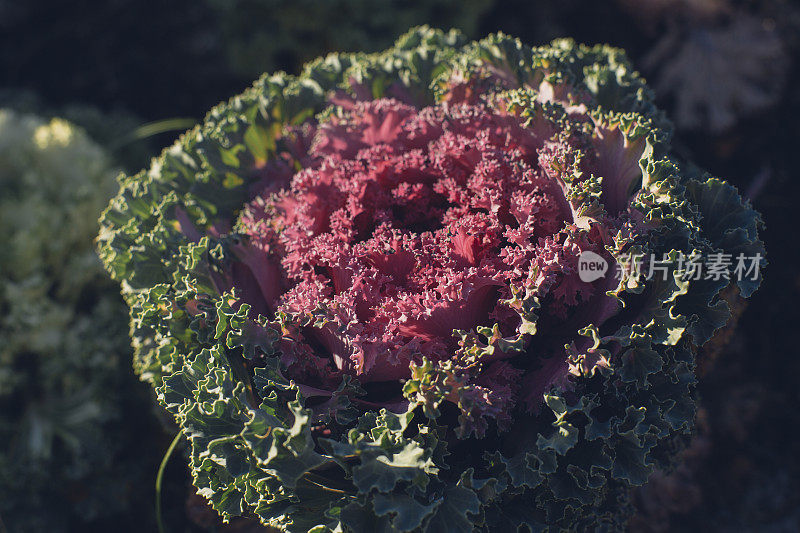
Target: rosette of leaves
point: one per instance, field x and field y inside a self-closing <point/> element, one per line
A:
<point x="64" y="350"/>
<point x="357" y="289"/>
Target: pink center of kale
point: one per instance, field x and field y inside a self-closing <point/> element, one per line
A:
<point x="406" y="225"/>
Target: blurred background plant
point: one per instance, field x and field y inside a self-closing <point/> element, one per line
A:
<point x="269" y="35"/>
<point x="726" y="71"/>
<point x="70" y="411"/>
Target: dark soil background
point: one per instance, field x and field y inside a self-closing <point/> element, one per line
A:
<point x="148" y="61"/>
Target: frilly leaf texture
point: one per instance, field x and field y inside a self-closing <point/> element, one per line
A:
<point x="605" y="411"/>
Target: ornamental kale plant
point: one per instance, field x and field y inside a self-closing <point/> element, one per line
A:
<point x="358" y="289"/>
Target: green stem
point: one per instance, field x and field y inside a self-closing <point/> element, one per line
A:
<point x="321" y="482"/>
<point x="160" y="479"/>
<point x="154" y="128"/>
<point x="162" y="126"/>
